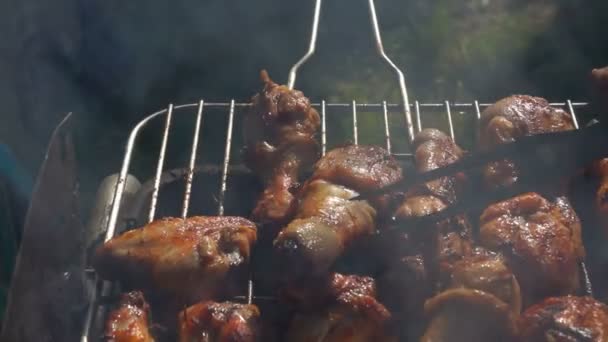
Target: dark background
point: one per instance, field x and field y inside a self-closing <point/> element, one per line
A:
<point x="112" y="62"/>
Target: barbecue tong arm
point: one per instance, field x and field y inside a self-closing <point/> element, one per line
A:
<point x="551" y="153"/>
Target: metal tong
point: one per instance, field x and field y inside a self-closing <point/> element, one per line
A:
<point x="542" y="159"/>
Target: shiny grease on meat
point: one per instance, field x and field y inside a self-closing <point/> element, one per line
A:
<point x="279" y="137"/>
<point x="565" y="319"/>
<point x="509" y="119"/>
<point x="129" y="322"/>
<point x="541" y="240"/>
<point x="327" y="221"/>
<point x="349" y="312"/>
<point x="219" y="322"/>
<point x="189" y="259"/>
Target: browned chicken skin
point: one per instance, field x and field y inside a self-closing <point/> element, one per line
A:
<point x="488" y="272"/>
<point x="189" y="259"/>
<point x="419" y="259"/>
<point x="449" y="240"/>
<point x="350" y="312"/>
<point x="511" y="118"/>
<point x="541" y="241"/>
<point x="327" y="222"/>
<point x="219" y="322"/>
<point x="279" y="145"/>
<point x="129" y="322"/>
<point x="565" y="319"/>
<point x="468" y="315"/>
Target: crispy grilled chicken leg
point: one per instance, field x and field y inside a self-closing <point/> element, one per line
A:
<point x="189" y="259"/>
<point x="219" y="322"/>
<point x="129" y="322"/>
<point x="279" y="138"/>
<point x="327" y="222"/>
<point x="350" y="312"/>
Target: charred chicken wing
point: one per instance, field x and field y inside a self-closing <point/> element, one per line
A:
<point x="129" y="322"/>
<point x="327" y="222"/>
<point x="279" y="138"/>
<point x="351" y="312"/>
<point x="541" y="241"/>
<point x="511" y="118"/>
<point x="565" y="319"/>
<point x="219" y="322"/>
<point x="190" y="259"/>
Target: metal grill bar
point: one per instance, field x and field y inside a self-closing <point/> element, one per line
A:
<point x="197" y="127"/>
<point x="228" y="145"/>
<point x="355" y="133"/>
<point x="400" y="77"/>
<point x="450" y="123"/>
<point x="311" y="46"/>
<point x="323" y="129"/>
<point x="418" y="119"/>
<point x="387" y="131"/>
<point x="571" y="109"/>
<point x="161" y="162"/>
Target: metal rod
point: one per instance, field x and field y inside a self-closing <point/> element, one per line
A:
<point x="402" y="88"/>
<point x="323" y="129"/>
<point x="311" y="46"/>
<point x="366" y="105"/>
<point x="574" y="119"/>
<point x="250" y="290"/>
<point x="477" y="111"/>
<point x="418" y="118"/>
<point x="197" y="126"/>
<point x="161" y="162"/>
<point x="220" y="208"/>
<point x="355" y="133"/>
<point x="477" y="122"/>
<point x="449" y="113"/>
<point x="387" y="131"/>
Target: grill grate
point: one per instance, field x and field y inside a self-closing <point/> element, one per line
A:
<point x="382" y="109"/>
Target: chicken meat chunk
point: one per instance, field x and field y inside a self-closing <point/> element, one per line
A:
<point x="327" y="221"/>
<point x="349" y="312"/>
<point x="565" y="319"/>
<point x="279" y="145"/>
<point x="541" y="241"/>
<point x="129" y="322"/>
<point x="190" y="259"/>
<point x="219" y="322"/>
<point x="511" y="118"/>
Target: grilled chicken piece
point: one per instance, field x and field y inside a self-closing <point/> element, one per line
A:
<point x="468" y="315"/>
<point x="565" y="319"/>
<point x="327" y="222"/>
<point x="129" y="322"/>
<point x="279" y="145"/>
<point x="350" y="312"/>
<point x="190" y="259"/>
<point x="511" y="118"/>
<point x="448" y="240"/>
<point x="488" y="272"/>
<point x="219" y="322"/>
<point x="541" y="241"/>
<point x="599" y="170"/>
<point x="600" y="82"/>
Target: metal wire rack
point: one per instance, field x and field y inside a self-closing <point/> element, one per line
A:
<point x="382" y="109"/>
